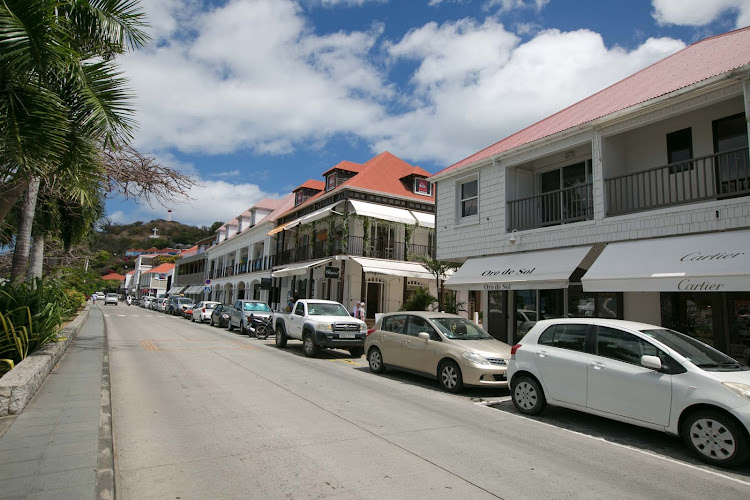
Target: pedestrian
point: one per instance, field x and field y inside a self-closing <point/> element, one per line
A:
<point x="93" y="300"/>
<point x="361" y="311"/>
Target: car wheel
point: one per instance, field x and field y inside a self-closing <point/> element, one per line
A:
<point x="528" y="396"/>
<point x="450" y="377"/>
<point x="281" y="337"/>
<point x="715" y="438"/>
<point x="309" y="346"/>
<point x="192" y="318"/>
<point x="375" y="360"/>
<point x="357" y="352"/>
<point x="230" y="327"/>
<point x="211" y="321"/>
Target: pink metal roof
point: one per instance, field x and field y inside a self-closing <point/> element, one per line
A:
<point x="698" y="62"/>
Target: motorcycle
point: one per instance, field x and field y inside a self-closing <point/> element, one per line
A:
<point x="261" y="326"/>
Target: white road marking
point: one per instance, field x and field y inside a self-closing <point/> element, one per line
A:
<point x="602" y="440"/>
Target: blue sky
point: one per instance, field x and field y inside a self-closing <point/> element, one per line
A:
<point x="253" y="97"/>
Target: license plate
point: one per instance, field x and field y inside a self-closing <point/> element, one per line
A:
<point x="346" y="335"/>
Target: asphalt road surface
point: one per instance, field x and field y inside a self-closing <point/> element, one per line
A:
<point x="200" y="412"/>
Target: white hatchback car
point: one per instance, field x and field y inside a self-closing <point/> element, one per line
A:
<point x="642" y="374"/>
<point x="202" y="311"/>
<point x="110" y="298"/>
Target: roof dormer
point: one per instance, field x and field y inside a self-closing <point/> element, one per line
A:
<point x="418" y="184"/>
<point x="307" y="191"/>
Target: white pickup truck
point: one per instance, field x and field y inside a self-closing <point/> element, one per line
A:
<point x="320" y="324"/>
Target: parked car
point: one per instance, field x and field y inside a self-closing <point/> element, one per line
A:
<point x="525" y="320"/>
<point x="202" y="311"/>
<point x="100" y="296"/>
<point x="110" y="298"/>
<point x="220" y="315"/>
<point x="441" y="346"/>
<point x="161" y="304"/>
<point x="176" y="305"/>
<point x="242" y="310"/>
<point x="146" y="301"/>
<point x="320" y="324"/>
<point x="642" y="374"/>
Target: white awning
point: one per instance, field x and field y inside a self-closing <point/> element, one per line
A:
<point x="544" y="269"/>
<point x="383" y="212"/>
<point x="193" y="289"/>
<point x="318" y="214"/>
<point x="393" y="268"/>
<point x="715" y="262"/>
<point x="423" y="219"/>
<point x="284" y="227"/>
<point x="175" y="290"/>
<point x="298" y="269"/>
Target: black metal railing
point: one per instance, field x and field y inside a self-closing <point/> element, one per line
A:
<point x="716" y="176"/>
<point x="354" y="245"/>
<point x="562" y="206"/>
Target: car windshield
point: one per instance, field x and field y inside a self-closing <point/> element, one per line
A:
<point x="531" y="315"/>
<point x="111" y="295"/>
<point x="256" y="306"/>
<point x="318" y="309"/>
<point x="184" y="300"/>
<point x="209" y="305"/>
<point x="460" y="329"/>
<point x="695" y="351"/>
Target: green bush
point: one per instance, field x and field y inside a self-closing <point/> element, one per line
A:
<point x="419" y="300"/>
<point x="30" y="317"/>
<point x="73" y="301"/>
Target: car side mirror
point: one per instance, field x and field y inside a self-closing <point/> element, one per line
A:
<point x="652" y="362"/>
<point x="423" y="335"/>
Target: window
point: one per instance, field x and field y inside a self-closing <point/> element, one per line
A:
<point x="622" y="346"/>
<point x="331" y="182"/>
<point x="394" y="324"/>
<point x="469" y="198"/>
<point x="299" y="197"/>
<point x="422" y="186"/>
<point x="680" y="148"/>
<point x="299" y="310"/>
<point x="418" y="324"/>
<point x="567" y="336"/>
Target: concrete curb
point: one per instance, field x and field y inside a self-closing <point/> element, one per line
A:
<point x="105" y="461"/>
<point x="19" y="385"/>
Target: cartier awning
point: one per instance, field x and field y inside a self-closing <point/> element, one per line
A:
<point x="543" y="269"/>
<point x="715" y="262"/>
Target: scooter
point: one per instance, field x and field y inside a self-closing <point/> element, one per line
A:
<point x="261" y="326"/>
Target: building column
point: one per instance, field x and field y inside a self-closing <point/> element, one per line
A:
<point x="598" y="175"/>
<point x="746" y="89"/>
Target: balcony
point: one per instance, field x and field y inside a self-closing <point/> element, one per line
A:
<point x="712" y="177"/>
<point x="354" y="245"/>
<point x="563" y="206"/>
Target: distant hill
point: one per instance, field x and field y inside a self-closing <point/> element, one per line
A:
<point x="115" y="239"/>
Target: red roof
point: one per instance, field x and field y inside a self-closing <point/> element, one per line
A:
<point x="113" y="277"/>
<point x="701" y="61"/>
<point x="161" y="268"/>
<point x="381" y="174"/>
<point x="312" y="184"/>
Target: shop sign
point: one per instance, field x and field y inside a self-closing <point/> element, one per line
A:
<point x="509" y="272"/>
<point x="331" y="272"/>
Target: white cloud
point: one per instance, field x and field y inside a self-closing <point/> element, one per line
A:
<point x="474" y="94"/>
<point x="253" y="75"/>
<point x="211" y="201"/>
<point x="508" y="5"/>
<point x="699" y="12"/>
<point x="346" y="3"/>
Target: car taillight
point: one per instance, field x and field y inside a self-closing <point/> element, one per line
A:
<point x="370" y="330"/>
<point x="204" y="309"/>
<point x="513" y="350"/>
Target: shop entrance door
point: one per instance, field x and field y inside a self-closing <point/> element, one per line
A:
<point x="497" y="317"/>
<point x="373" y="299"/>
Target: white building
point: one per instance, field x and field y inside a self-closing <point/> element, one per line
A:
<point x="632" y="203"/>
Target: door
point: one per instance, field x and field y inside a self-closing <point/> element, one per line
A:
<point x="419" y="354"/>
<point x="732" y="169"/>
<point x="561" y="360"/>
<point x="236" y="314"/>
<point x="297" y="320"/>
<point x="618" y="384"/>
<point x="497" y="317"/>
<point x="373" y="299"/>
<point x="393" y="331"/>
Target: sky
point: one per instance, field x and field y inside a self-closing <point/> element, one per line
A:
<point x="253" y="97"/>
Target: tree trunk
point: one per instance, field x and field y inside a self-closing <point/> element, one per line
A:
<point x="11" y="192"/>
<point x="36" y="261"/>
<point x="23" y="238"/>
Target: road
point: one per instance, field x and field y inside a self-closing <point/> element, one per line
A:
<point x="200" y="412"/>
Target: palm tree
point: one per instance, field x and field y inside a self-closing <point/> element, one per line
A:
<point x="60" y="92"/>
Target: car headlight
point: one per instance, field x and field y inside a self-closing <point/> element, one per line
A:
<point x="363" y="327"/>
<point x="475" y="358"/>
<point x="742" y="390"/>
<point x="325" y="327"/>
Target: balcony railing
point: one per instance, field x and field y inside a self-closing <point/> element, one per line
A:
<point x="354" y="245"/>
<point x="717" y="176"/>
<point x="562" y="206"/>
<point x="261" y="264"/>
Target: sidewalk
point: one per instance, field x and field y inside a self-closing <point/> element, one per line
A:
<point x="52" y="448"/>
